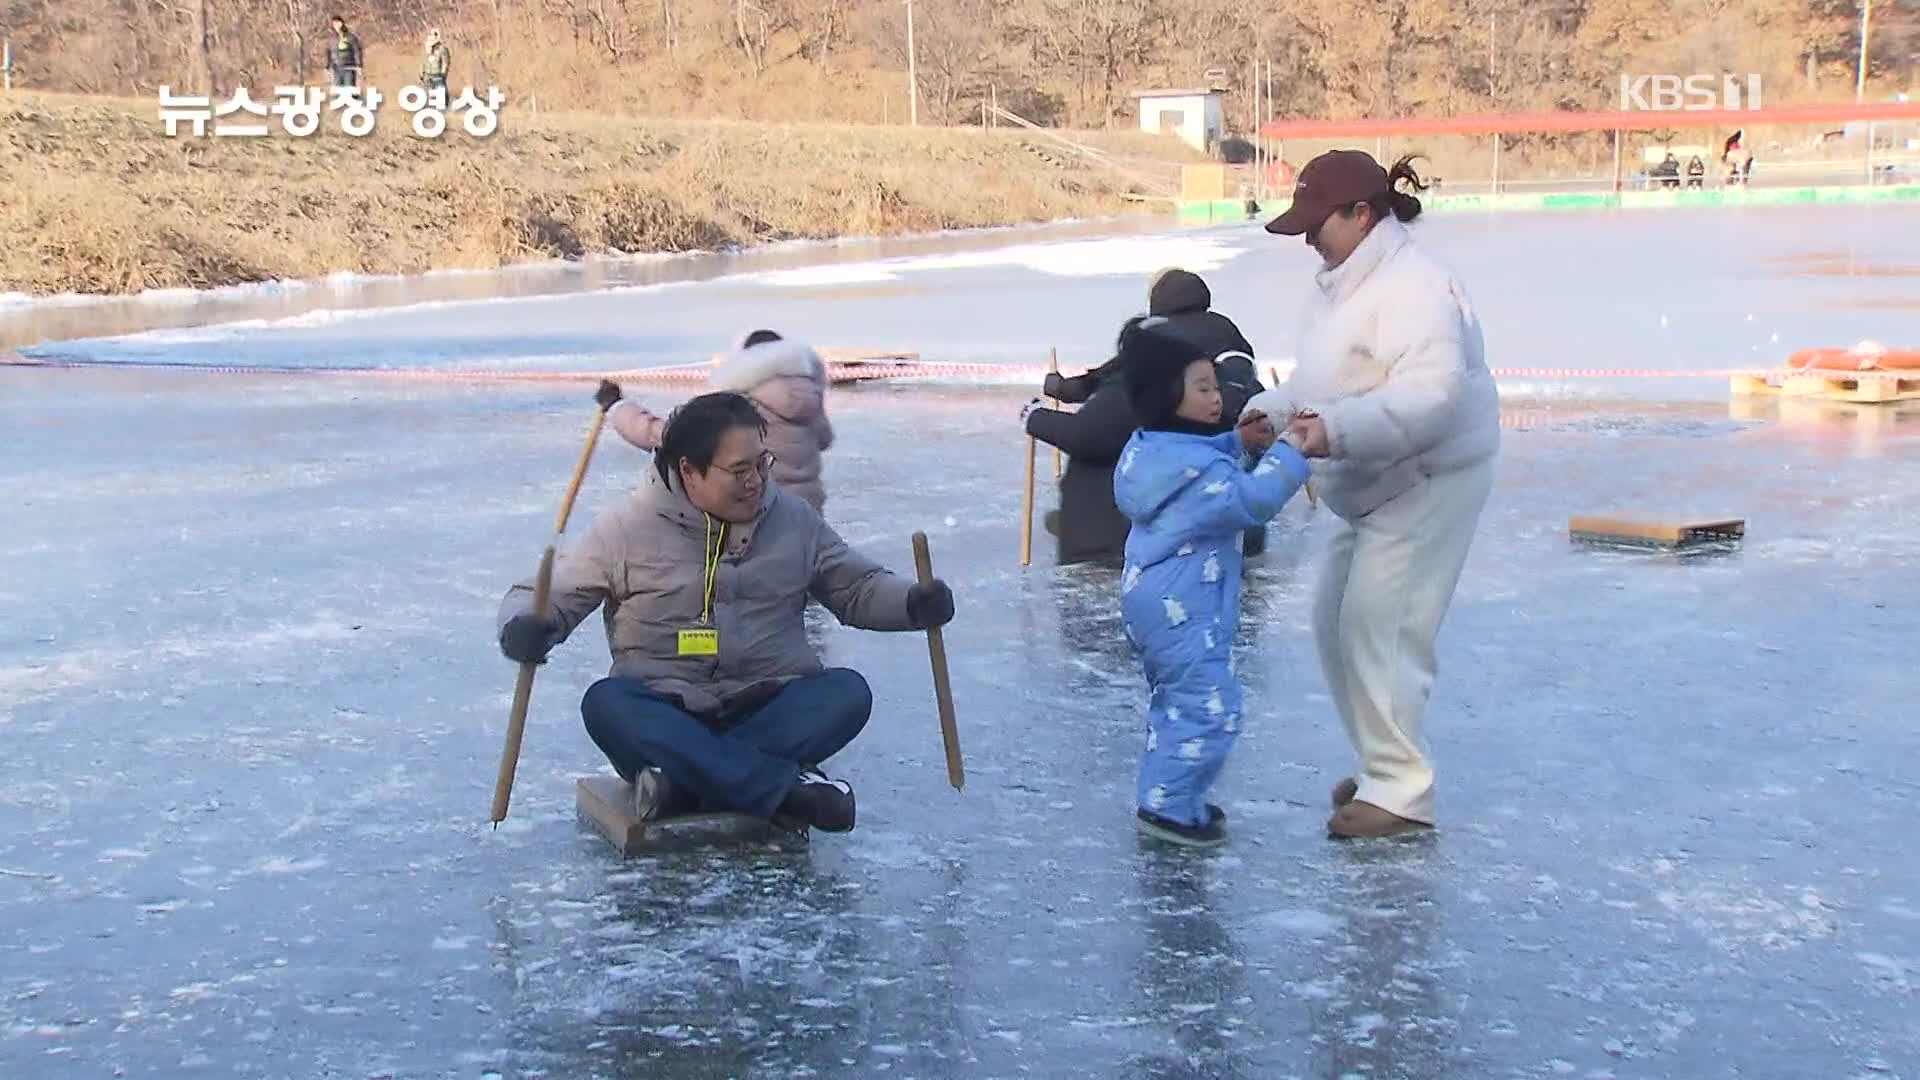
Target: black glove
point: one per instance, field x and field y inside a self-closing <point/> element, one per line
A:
<point x="526" y="639"/>
<point x="930" y="605"/>
<point x="607" y="395"/>
<point x="1052" y="385"/>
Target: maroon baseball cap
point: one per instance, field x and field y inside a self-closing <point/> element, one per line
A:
<point x="1333" y="181"/>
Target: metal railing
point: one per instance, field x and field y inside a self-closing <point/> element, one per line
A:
<point x="1879" y="169"/>
<point x="1161" y="179"/>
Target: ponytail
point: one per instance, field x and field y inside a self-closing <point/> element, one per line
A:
<point x="1405" y="205"/>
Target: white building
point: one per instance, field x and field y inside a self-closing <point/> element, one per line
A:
<point x="1196" y="116"/>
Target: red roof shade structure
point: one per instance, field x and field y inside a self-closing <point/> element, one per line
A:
<point x="1636" y="120"/>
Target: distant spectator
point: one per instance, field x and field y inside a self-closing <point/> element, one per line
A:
<point x="433" y="70"/>
<point x="1696" y="172"/>
<point x="1738" y="159"/>
<point x="343" y="55"/>
<point x="1668" y="171"/>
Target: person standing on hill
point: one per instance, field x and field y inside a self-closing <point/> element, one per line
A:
<point x="343" y="55"/>
<point x="433" y="70"/>
<point x="1089" y="526"/>
<point x="1392" y="392"/>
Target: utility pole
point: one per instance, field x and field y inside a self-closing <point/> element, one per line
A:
<point x="1493" y="55"/>
<point x="1860" y="79"/>
<point x="913" y="79"/>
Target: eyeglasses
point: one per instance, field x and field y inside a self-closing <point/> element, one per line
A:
<point x="761" y="465"/>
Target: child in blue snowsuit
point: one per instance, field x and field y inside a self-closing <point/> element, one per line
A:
<point x="1189" y="497"/>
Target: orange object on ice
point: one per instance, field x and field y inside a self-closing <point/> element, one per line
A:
<point x="1866" y="356"/>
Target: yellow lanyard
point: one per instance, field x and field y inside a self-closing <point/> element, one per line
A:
<point x="711" y="550"/>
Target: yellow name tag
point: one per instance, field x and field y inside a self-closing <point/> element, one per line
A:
<point x="699" y="643"/>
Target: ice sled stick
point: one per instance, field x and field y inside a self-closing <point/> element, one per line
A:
<point x="942" y="687"/>
<point x="1026" y="513"/>
<point x="542" y="589"/>
<point x="1053" y="367"/>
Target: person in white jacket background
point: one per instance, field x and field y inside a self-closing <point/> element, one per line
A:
<point x="787" y="381"/>
<point x="1392" y="397"/>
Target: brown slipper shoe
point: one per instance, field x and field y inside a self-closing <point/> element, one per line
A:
<point x="1362" y="820"/>
<point x="1344" y="791"/>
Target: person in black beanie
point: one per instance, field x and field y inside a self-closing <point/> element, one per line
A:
<point x="1087" y="524"/>
<point x="1154" y="362"/>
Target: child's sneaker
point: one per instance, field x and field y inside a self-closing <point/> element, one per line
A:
<point x="1212" y="834"/>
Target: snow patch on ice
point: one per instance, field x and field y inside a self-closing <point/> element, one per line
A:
<point x="1302" y="922"/>
<point x="1115" y="257"/>
<point x="275" y="865"/>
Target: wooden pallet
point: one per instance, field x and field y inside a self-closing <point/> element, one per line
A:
<point x="1654" y="534"/>
<point x="606" y="803"/>
<point x="1861" y="387"/>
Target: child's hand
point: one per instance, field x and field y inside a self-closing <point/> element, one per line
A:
<point x="1256" y="432"/>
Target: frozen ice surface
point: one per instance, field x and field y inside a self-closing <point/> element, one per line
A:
<point x="1687" y="290"/>
<point x="252" y="711"/>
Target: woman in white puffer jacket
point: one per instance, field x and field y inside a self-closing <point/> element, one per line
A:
<point x="1391" y="393"/>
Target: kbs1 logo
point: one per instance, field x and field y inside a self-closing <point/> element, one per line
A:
<point x="1689" y="93"/>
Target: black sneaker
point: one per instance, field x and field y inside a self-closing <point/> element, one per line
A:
<point x="818" y="801"/>
<point x="1214" y="813"/>
<point x="1212" y="834"/>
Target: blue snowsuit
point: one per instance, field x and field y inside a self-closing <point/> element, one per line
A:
<point x="1189" y="501"/>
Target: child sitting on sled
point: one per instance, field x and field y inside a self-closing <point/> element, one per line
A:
<point x="1189" y="497"/>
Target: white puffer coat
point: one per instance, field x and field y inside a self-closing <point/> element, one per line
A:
<point x="1391" y="357"/>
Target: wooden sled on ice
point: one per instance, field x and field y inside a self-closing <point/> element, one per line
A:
<point x="606" y="804"/>
<point x="1657" y="535"/>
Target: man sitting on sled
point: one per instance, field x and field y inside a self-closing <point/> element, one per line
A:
<point x="716" y="702"/>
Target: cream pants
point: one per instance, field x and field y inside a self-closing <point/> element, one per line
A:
<point x="1389" y="578"/>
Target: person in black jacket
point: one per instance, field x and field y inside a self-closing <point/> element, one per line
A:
<point x="1088" y="525"/>
<point x="343" y="54"/>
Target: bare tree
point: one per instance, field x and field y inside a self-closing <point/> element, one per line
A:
<point x="953" y="48"/>
<point x="755" y="49"/>
<point x="203" y="48"/>
<point x="297" y="27"/>
<point x="669" y="26"/>
<point x="1103" y="43"/>
<point x="1072" y="59"/>
<point x="610" y="26"/>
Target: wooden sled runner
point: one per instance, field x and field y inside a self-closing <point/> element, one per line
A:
<point x="606" y="803"/>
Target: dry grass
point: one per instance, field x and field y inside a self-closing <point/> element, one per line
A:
<point x="99" y="200"/>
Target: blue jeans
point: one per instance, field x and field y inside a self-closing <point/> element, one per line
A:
<point x="746" y="764"/>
